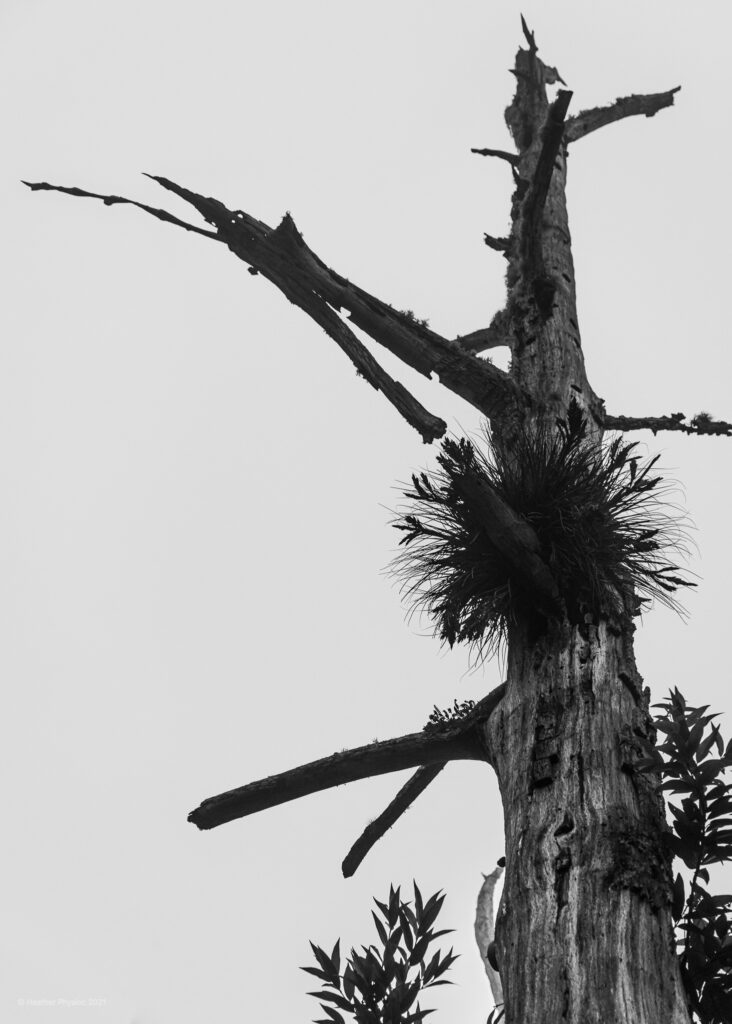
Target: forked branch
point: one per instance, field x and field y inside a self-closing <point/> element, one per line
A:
<point x="627" y="106"/>
<point x="463" y="741"/>
<point x="416" y="785"/>
<point x="360" y="763"/>
<point x="282" y="256"/>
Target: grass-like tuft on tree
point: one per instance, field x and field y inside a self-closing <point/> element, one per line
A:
<point x="605" y="528"/>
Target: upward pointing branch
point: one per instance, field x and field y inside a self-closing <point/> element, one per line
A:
<point x="282" y="256"/>
<point x="628" y="106"/>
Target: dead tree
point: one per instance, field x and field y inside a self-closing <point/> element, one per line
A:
<point x="584" y="932"/>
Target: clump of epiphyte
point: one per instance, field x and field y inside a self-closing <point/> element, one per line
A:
<point x="603" y="527"/>
<point x="443" y="718"/>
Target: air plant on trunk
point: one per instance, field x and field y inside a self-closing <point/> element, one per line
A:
<point x="605" y="529"/>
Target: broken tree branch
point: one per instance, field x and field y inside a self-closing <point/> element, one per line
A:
<point x="393" y="755"/>
<point x="418" y="782"/>
<point x="499" y="244"/>
<point x="529" y="36"/>
<point x="409" y="792"/>
<point x="702" y="423"/>
<point x="462" y="741"/>
<point x="511" y="158"/>
<point x="282" y="256"/>
<point x="43" y="186"/>
<point x="627" y="106"/>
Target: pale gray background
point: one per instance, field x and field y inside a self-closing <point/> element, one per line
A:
<point x="196" y="483"/>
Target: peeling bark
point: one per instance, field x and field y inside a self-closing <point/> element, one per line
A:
<point x="485" y="931"/>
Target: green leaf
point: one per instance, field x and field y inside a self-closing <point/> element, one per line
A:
<point x="335" y="958"/>
<point x="420" y="948"/>
<point x="334" y="1014"/>
<point x="719" y="807"/>
<point x="430" y="970"/>
<point x="717" y="836"/>
<point x="317" y="973"/>
<point x="324" y="961"/>
<point x="406" y="923"/>
<point x="431" y="910"/>
<point x="448" y="962"/>
<point x="408" y="995"/>
<point x="335" y="998"/>
<point x="680" y="848"/>
<point x="380" y="928"/>
<point x="383" y="908"/>
<point x="706" y="744"/>
<point x="393" y="906"/>
<point x="679" y="898"/>
<point x="417" y="903"/>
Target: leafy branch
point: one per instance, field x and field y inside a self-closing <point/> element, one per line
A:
<point x="381" y="985"/>
<point x="701" y="835"/>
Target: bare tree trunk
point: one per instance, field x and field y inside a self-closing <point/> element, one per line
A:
<point x="584" y="932"/>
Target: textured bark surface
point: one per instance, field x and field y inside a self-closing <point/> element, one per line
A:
<point x="584" y="932"/>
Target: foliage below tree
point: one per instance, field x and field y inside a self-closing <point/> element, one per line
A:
<point x="701" y="835"/>
<point x="380" y="986"/>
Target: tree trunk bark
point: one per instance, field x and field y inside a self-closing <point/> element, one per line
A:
<point x="584" y="932"/>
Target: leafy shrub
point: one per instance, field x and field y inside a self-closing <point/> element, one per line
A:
<point x="380" y="986"/>
<point x="701" y="835"/>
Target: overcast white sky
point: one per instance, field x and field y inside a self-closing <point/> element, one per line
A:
<point x="196" y="484"/>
